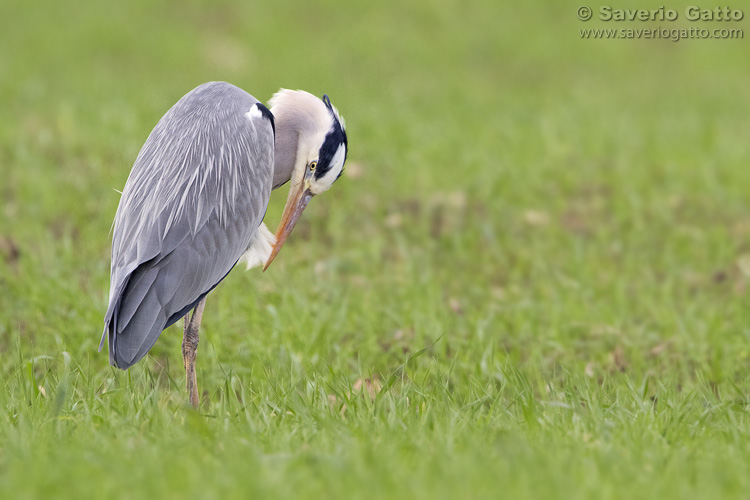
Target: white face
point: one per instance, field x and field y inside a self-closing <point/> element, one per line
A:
<point x="323" y="183"/>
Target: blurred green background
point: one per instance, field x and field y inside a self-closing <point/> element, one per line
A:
<point x="562" y="224"/>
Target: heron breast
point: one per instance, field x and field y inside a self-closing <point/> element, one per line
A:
<point x="260" y="247"/>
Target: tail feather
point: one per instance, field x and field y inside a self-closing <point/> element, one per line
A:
<point x="138" y="317"/>
<point x="132" y="341"/>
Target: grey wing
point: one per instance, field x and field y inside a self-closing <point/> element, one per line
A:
<point x="190" y="208"/>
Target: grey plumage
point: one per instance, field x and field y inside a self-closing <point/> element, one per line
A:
<point x="194" y="203"/>
<point x="189" y="210"/>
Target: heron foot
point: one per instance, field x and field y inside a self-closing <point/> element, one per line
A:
<point x="190" y="341"/>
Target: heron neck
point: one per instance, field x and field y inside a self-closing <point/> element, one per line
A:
<point x="285" y="152"/>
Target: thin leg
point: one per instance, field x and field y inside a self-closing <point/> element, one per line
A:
<point x="189" y="347"/>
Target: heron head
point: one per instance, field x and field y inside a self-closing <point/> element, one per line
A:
<point x="318" y="156"/>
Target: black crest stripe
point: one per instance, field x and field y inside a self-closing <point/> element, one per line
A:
<point x="334" y="139"/>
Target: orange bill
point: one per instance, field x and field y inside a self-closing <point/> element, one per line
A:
<point x="295" y="204"/>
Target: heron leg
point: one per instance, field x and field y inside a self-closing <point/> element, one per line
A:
<point x="189" y="347"/>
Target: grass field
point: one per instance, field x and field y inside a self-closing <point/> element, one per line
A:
<point x="531" y="282"/>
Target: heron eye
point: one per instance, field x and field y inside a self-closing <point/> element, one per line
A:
<point x="313" y="165"/>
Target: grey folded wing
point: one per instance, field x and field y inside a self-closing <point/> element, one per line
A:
<point x="196" y="195"/>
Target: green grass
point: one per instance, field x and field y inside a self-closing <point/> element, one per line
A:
<point x="540" y="253"/>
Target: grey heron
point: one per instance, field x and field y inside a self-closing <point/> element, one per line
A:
<point x="194" y="203"/>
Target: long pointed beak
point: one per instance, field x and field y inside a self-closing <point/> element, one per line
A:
<point x="295" y="204"/>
